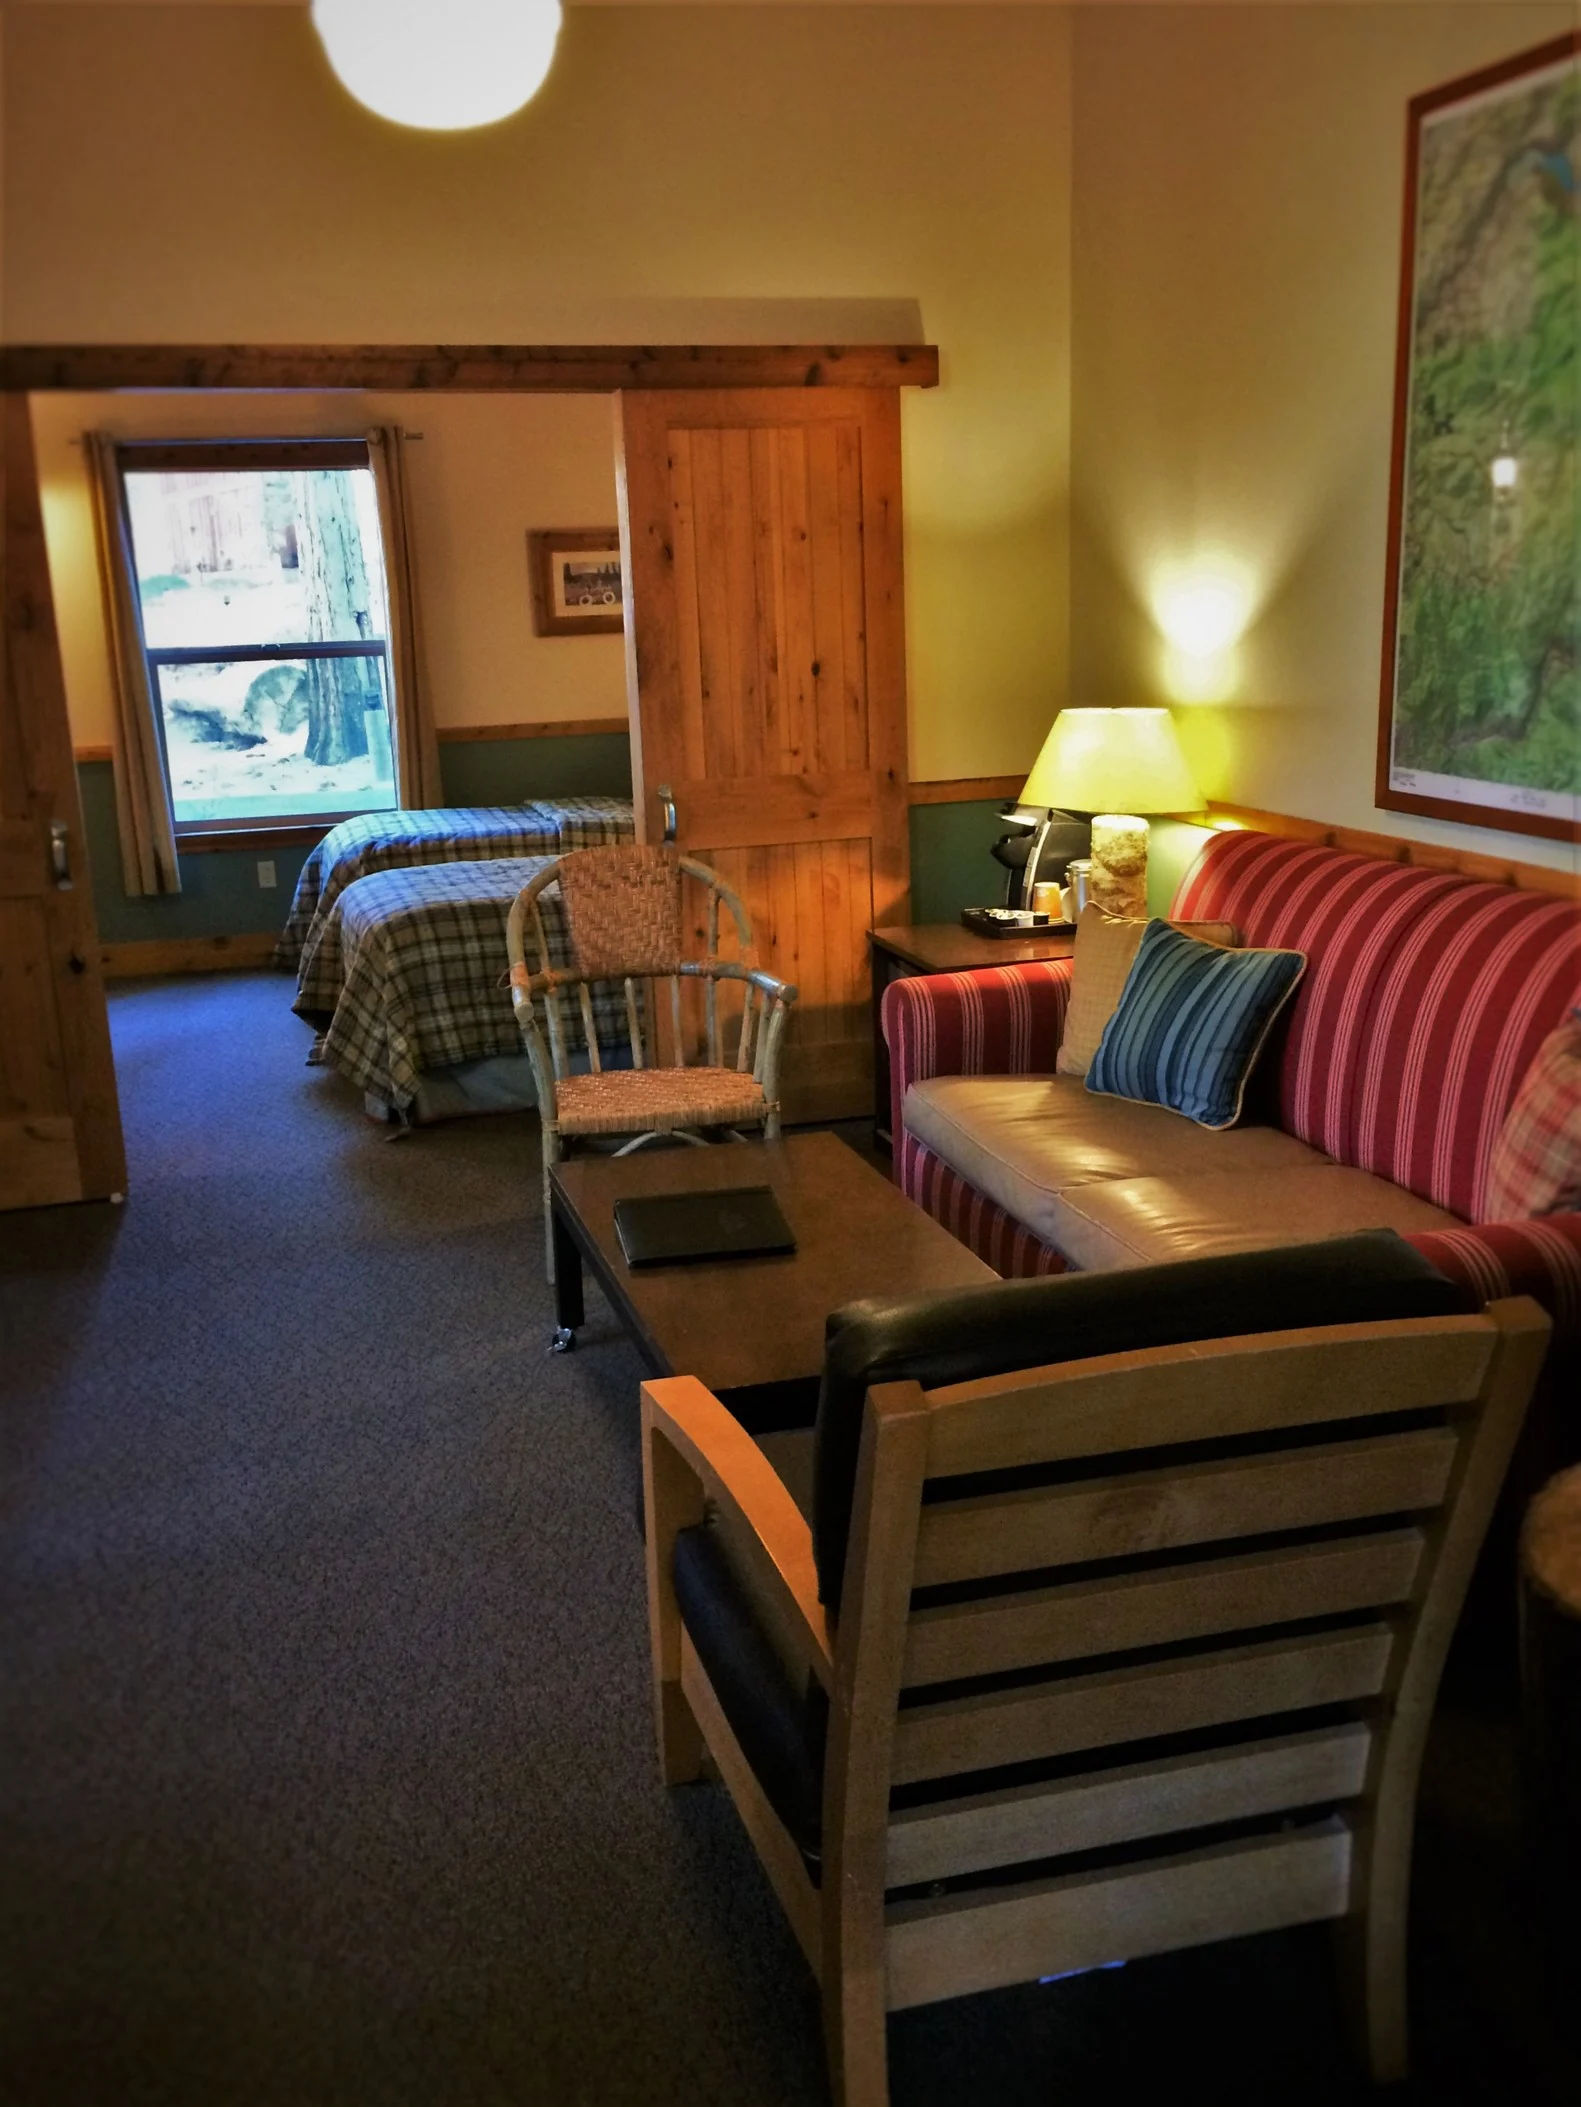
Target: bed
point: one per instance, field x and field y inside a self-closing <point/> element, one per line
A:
<point x="385" y="841"/>
<point x="405" y="977"/>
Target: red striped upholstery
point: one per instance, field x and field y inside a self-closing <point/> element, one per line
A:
<point x="1426" y="998"/>
<point x="1347" y="913"/>
<point x="1476" y="985"/>
<point x="1000" y="1020"/>
<point x="1541" y="1259"/>
<point x="998" y="1239"/>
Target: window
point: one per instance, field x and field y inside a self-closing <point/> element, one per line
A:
<point x="260" y="579"/>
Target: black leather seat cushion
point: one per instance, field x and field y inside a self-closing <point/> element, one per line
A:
<point x="957" y="1338"/>
<point x="781" y="1728"/>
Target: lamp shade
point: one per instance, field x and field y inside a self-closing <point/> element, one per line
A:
<point x="1112" y="761"/>
<point x="442" y="65"/>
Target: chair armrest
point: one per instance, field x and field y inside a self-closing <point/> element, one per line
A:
<point x="999" y="1020"/>
<point x="684" y="1424"/>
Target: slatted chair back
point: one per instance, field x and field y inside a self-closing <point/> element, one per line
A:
<point x="1180" y="1611"/>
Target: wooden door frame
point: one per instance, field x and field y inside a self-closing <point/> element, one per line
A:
<point x="503" y="369"/>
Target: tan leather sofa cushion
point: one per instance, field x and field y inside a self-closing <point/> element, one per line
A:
<point x="1105" y="952"/>
<point x="1027" y="1140"/>
<point x="1205" y="1214"/>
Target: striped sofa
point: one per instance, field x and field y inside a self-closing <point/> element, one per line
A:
<point x="1425" y="998"/>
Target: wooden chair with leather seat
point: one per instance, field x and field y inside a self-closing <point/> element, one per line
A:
<point x="625" y="917"/>
<point x="1116" y="1626"/>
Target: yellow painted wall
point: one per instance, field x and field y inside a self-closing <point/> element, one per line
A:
<point x="687" y="175"/>
<point x="484" y="470"/>
<point x="1236" y="241"/>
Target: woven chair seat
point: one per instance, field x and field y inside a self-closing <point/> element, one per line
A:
<point x="658" y="1100"/>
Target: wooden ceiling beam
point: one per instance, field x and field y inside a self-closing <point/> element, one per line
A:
<point x="575" y="369"/>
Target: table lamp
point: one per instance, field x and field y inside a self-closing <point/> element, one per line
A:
<point x="1117" y="765"/>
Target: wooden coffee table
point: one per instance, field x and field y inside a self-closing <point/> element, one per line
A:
<point x="750" y="1328"/>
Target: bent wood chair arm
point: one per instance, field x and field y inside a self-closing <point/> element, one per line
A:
<point x="695" y="1452"/>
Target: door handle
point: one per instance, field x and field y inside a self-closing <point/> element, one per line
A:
<point x="666" y="797"/>
<point x="60" y="855"/>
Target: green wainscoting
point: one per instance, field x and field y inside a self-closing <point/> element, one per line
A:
<point x="952" y="866"/>
<point x="220" y="893"/>
<point x="951" y="863"/>
<point x="1173" y="847"/>
<point x="510" y="771"/>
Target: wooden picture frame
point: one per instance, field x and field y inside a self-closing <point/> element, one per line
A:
<point x="576" y="581"/>
<point x="1481" y="682"/>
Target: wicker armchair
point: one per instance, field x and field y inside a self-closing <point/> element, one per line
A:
<point x="623" y="912"/>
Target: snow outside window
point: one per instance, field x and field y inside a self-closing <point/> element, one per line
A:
<point x="265" y="621"/>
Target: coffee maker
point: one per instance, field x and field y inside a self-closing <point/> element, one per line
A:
<point x="1037" y="846"/>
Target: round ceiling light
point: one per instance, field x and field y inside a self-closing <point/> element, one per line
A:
<point x="443" y="65"/>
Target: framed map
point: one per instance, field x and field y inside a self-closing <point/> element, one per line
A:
<point x="1481" y="710"/>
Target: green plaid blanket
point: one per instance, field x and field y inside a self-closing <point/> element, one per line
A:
<point x="410" y="967"/>
<point x="388" y="841"/>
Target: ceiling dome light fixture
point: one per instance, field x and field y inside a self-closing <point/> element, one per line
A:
<point x="442" y="65"/>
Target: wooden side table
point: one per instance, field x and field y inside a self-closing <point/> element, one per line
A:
<point x="904" y="951"/>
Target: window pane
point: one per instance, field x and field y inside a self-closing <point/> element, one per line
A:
<point x="257" y="556"/>
<point x="272" y="739"/>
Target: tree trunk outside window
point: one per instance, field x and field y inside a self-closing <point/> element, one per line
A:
<point x="339" y="691"/>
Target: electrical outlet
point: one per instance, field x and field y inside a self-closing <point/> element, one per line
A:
<point x="266" y="877"/>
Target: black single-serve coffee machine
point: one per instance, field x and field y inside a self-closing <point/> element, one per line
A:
<point x="1037" y="846"/>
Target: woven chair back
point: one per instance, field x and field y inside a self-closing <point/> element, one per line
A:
<point x="623" y="909"/>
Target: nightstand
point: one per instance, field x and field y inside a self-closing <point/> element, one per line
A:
<point x="902" y="952"/>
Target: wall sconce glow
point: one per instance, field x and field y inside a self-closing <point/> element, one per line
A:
<point x="441" y="65"/>
<point x="1504" y="471"/>
<point x="1202" y="610"/>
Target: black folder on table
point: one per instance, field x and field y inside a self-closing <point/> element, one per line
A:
<point x="668" y="1229"/>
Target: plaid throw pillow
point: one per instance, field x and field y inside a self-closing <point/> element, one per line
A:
<point x="1190" y="1023"/>
<point x="1536" y="1167"/>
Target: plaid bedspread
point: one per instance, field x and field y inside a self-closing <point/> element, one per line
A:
<point x="388" y="841"/>
<point x="410" y="967"/>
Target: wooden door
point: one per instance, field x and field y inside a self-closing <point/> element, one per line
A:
<point x="60" y="1123"/>
<point x="765" y="651"/>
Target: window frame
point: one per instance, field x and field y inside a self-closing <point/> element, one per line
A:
<point x="179" y="456"/>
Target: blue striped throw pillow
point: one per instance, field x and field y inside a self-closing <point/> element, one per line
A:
<point x="1189" y="1024"/>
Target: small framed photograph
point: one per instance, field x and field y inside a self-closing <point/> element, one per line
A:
<point x="576" y="582"/>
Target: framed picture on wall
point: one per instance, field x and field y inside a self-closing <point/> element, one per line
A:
<point x="1481" y="707"/>
<point x="576" y="583"/>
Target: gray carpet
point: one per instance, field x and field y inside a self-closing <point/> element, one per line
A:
<point x="327" y="1764"/>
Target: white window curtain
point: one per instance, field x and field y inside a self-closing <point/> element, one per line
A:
<point x="411" y="715"/>
<point x="142" y="790"/>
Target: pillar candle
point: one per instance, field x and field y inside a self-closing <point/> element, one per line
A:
<point x="1119" y="865"/>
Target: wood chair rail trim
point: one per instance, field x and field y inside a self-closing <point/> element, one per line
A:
<point x="1478" y="864"/>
